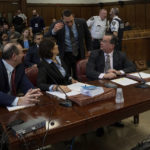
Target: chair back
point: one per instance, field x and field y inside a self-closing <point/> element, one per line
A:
<point x="81" y="70"/>
<point x="32" y="73"/>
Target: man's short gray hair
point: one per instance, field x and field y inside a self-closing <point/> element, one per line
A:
<point x="9" y="49"/>
<point x="115" y="11"/>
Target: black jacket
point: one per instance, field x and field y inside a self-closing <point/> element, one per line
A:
<point x="96" y="63"/>
<point x="83" y="36"/>
<point x="49" y="74"/>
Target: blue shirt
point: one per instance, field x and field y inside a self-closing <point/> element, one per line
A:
<point x="26" y="44"/>
<point x="67" y="37"/>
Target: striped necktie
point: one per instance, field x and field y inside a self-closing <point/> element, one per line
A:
<point x="73" y="42"/>
<point x="107" y="63"/>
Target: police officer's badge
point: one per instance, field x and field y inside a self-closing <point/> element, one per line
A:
<point x="113" y="23"/>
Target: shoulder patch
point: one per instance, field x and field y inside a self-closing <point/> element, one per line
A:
<point x="113" y="23"/>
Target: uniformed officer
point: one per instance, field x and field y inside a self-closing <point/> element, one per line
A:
<point x="116" y="26"/>
<point x="98" y="25"/>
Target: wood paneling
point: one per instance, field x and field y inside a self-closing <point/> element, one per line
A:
<point x="140" y="15"/>
<point x="136" y="12"/>
<point x="148" y="16"/>
<point x="130" y="14"/>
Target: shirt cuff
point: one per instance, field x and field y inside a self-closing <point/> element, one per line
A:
<point x="122" y="72"/>
<point x="51" y="88"/>
<point x="53" y="33"/>
<point x="101" y="76"/>
<point x="14" y="103"/>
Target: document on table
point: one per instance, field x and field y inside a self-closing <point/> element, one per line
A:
<point x="142" y="74"/>
<point x="13" y="108"/>
<point x="124" y="81"/>
<point x="77" y="86"/>
<point x="75" y="90"/>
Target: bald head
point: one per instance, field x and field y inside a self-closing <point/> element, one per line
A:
<point x="9" y="49"/>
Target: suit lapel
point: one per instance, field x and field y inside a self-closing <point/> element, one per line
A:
<point x="5" y="75"/>
<point x="53" y="70"/>
<point x="115" y="59"/>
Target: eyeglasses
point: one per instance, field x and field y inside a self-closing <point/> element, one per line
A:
<point x="104" y="41"/>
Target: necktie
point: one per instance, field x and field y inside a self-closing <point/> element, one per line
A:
<point x="107" y="63"/>
<point x="73" y="42"/>
<point x="13" y="87"/>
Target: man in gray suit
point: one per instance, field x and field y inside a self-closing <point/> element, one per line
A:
<point x="72" y="35"/>
<point x="108" y="63"/>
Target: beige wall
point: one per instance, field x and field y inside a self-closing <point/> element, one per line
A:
<point x="72" y="1"/>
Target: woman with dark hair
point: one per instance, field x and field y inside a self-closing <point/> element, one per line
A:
<point x="52" y="70"/>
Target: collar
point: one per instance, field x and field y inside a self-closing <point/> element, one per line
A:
<point x="8" y="67"/>
<point x="49" y="61"/>
<point x="116" y="17"/>
<point x="110" y="54"/>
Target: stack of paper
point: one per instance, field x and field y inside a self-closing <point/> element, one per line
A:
<point x="92" y="92"/>
<point x="142" y="74"/>
<point x="124" y="81"/>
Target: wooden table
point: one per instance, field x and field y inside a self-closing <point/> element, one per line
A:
<point x="70" y="122"/>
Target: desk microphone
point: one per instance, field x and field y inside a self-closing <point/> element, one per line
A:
<point x="142" y="82"/>
<point x="67" y="102"/>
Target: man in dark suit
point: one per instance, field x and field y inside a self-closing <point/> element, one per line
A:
<point x="32" y="57"/>
<point x="70" y="34"/>
<point x="13" y="78"/>
<point x="108" y="63"/>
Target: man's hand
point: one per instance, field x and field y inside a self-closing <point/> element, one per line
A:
<point x="114" y="71"/>
<point x="30" y="97"/>
<point x="64" y="88"/>
<point x="110" y="75"/>
<point x="58" y="26"/>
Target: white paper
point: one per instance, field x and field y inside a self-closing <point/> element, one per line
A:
<point x="77" y="86"/>
<point x="148" y="83"/>
<point x="62" y="95"/>
<point x="143" y="75"/>
<point x="124" y="81"/>
<point x="13" y="108"/>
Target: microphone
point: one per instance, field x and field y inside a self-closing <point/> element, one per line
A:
<point x="142" y="82"/>
<point x="67" y="102"/>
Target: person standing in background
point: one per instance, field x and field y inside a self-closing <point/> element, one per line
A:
<point x="36" y="23"/>
<point x="72" y="35"/>
<point x="98" y="25"/>
<point x="116" y="26"/>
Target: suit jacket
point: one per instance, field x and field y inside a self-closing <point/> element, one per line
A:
<point x="32" y="57"/>
<point x="49" y="74"/>
<point x="96" y="63"/>
<point x="83" y="35"/>
<point x="21" y="82"/>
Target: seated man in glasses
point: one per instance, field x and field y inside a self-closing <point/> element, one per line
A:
<point x="108" y="63"/>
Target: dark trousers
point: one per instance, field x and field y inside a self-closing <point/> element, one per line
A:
<point x="96" y="44"/>
<point x="70" y="62"/>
